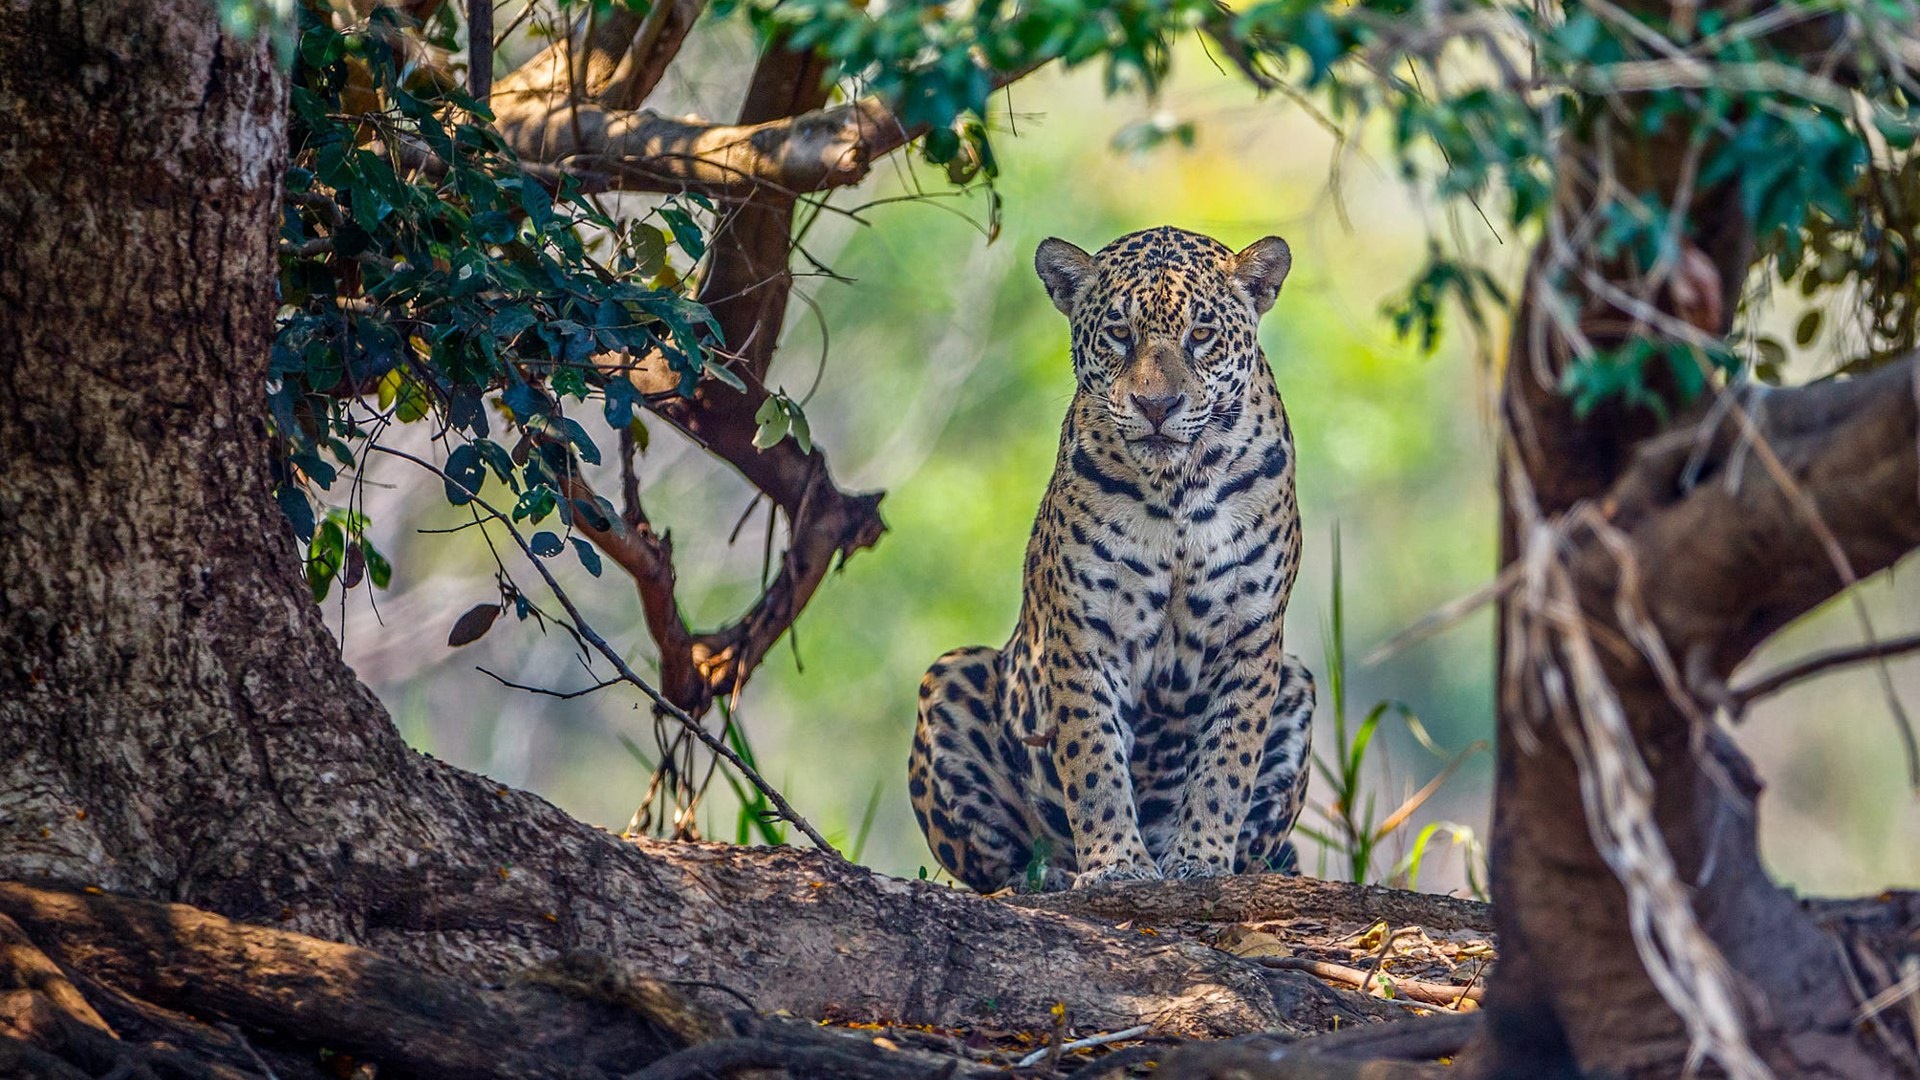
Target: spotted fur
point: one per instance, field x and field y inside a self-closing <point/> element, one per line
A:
<point x="1144" y="720"/>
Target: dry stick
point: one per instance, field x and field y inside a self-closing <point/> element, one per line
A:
<point x="1420" y="990"/>
<point x="1082" y="1044"/>
<point x="627" y="674"/>
<point x="1446" y="616"/>
<point x="1819" y="664"/>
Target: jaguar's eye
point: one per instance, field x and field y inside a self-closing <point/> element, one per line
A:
<point x="1120" y="332"/>
<point x="1200" y="335"/>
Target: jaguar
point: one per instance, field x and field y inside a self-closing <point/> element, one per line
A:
<point x="1144" y="720"/>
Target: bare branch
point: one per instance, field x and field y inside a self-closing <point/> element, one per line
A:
<point x="785" y="143"/>
<point x="564" y="695"/>
<point x="1729" y="553"/>
<point x="1819" y="664"/>
<point x="654" y="47"/>
<point x="480" y="48"/>
<point x="1439" y="994"/>
<point x="627" y="674"/>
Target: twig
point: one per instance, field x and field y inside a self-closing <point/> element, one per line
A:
<point x="1471" y="991"/>
<point x="1818" y="664"/>
<point x="1446" y="615"/>
<point x="235" y="1033"/>
<point x="1082" y="1044"/>
<point x="627" y="674"/>
<point x="561" y="694"/>
<point x="1430" y="993"/>
<point x="1907" y="989"/>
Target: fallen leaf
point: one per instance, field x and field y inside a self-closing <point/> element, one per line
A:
<point x="1254" y="944"/>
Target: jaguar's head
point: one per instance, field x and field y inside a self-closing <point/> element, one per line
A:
<point x="1164" y="325"/>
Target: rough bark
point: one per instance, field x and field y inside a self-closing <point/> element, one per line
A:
<point x="1258" y="898"/>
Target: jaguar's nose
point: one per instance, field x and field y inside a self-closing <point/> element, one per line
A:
<point x="1156" y="409"/>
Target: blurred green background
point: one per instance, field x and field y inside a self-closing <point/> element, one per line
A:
<point x="940" y="374"/>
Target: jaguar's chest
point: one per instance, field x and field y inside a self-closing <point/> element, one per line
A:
<point x="1163" y="592"/>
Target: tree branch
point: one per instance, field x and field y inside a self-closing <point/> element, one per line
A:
<point x="1819" y="664"/>
<point x="1732" y="533"/>
<point x="654" y="47"/>
<point x="778" y="146"/>
<point x="480" y="49"/>
<point x="644" y="151"/>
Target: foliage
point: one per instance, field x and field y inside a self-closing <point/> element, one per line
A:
<point x="1475" y="95"/>
<point x="427" y="275"/>
<point x="436" y="271"/>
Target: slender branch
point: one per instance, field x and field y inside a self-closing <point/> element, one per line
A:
<point x="480" y="48"/>
<point x="627" y="674"/>
<point x="647" y="558"/>
<point x="1818" y="664"/>
<point x="563" y="695"/>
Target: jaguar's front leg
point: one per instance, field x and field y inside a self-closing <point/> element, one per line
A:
<point x="1089" y="754"/>
<point x="1223" y="768"/>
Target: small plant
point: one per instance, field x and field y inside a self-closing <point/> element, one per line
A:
<point x="866" y="824"/>
<point x="1473" y="856"/>
<point x="1037" y="865"/>
<point x="1352" y="829"/>
<point x="756" y="817"/>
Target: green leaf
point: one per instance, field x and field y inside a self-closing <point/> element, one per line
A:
<point x="589" y="558"/>
<point x="465" y="473"/>
<point x="299" y="512"/>
<point x="647" y="247"/>
<point x="773" y="423"/>
<point x="720" y="371"/>
<point x="577" y="435"/>
<point x="325" y="556"/>
<point x="940" y="145"/>
<point x="546" y="545"/>
<point x="685" y="232"/>
<point x="802" y="432"/>
<point x="379" y="570"/>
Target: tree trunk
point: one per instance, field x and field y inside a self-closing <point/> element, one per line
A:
<point x="1682" y="554"/>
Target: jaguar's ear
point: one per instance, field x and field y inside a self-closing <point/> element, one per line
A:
<point x="1261" y="268"/>
<point x="1065" y="270"/>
